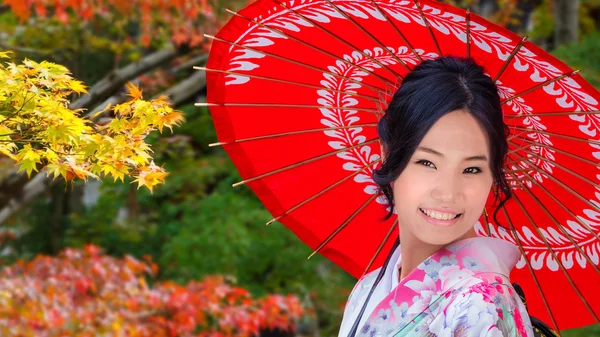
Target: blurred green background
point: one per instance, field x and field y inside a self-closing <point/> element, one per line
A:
<point x="196" y="224"/>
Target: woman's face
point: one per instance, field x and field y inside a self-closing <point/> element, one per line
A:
<point x="448" y="175"/>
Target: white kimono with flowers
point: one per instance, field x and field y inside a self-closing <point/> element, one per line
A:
<point x="462" y="290"/>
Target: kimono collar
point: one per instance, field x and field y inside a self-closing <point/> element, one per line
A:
<point x="465" y="260"/>
<point x="497" y="256"/>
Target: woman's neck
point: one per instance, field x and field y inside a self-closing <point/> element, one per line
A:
<point x="415" y="251"/>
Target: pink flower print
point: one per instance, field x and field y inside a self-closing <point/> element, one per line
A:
<point x="428" y="294"/>
<point x="431" y="267"/>
<point x="519" y="324"/>
<point x="510" y="291"/>
<point x="453" y="275"/>
<point x="469" y="313"/>
<point x="486" y="290"/>
<point x="473" y="263"/>
<point x="400" y="312"/>
<point x="446" y="261"/>
<point x="499" y="284"/>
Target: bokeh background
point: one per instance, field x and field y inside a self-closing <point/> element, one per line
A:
<point x="193" y="257"/>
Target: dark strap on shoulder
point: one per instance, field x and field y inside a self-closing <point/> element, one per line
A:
<point x="540" y="329"/>
<point x="354" y="329"/>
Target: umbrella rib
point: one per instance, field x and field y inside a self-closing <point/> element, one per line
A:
<point x="552" y="114"/>
<point x="521" y="148"/>
<point x="336" y="57"/>
<point x="531" y="270"/>
<point x="487" y="223"/>
<point x="323" y="191"/>
<point x="534" y="143"/>
<point x="525" y="92"/>
<point x="387" y="19"/>
<point x="559" y="135"/>
<point x="343" y="225"/>
<point x="371" y="36"/>
<point x="562" y="267"/>
<point x="290" y="133"/>
<point x="384" y="66"/>
<point x="370" y="98"/>
<point x="516" y="135"/>
<point x="519" y="170"/>
<point x="435" y="41"/>
<point x="521" y="179"/>
<point x="380" y="247"/>
<point x="304" y="162"/>
<point x="510" y="57"/>
<point x="564" y="231"/>
<point x="563" y="185"/>
<point x="587" y="180"/>
<point x="308" y="66"/>
<point x="468" y="31"/>
<point x="281" y="105"/>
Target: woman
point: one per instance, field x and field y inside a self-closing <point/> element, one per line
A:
<point x="444" y="143"/>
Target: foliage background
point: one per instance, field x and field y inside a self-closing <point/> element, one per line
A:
<point x="196" y="224"/>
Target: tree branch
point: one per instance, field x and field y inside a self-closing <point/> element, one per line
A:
<point x="14" y="196"/>
<point x="566" y="22"/>
<point x="186" y="89"/>
<point x="22" y="196"/>
<point x="183" y="90"/>
<point x="107" y="86"/>
<point x="195" y="61"/>
<point x="25" y="50"/>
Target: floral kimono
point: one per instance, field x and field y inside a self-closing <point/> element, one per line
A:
<point x="462" y="290"/>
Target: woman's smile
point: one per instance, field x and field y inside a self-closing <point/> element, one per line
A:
<point x="438" y="218"/>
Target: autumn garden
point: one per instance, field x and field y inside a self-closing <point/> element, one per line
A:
<point x="116" y="216"/>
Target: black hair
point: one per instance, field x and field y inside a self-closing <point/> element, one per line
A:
<point x="431" y="90"/>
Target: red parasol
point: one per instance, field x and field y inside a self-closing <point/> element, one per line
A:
<point x="296" y="88"/>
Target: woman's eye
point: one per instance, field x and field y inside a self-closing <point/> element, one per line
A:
<point x="473" y="170"/>
<point x="426" y="163"/>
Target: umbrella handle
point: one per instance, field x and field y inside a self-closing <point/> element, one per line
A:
<point x="540" y="329"/>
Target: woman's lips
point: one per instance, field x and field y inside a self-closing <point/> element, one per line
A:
<point x="437" y="222"/>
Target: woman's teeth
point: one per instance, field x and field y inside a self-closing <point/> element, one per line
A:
<point x="439" y="216"/>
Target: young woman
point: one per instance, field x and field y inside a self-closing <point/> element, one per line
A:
<point x="444" y="143"/>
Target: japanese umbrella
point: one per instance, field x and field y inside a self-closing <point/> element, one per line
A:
<point x="296" y="88"/>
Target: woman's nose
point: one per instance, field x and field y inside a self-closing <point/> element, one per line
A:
<point x="447" y="190"/>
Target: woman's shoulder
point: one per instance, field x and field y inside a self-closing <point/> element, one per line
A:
<point x="488" y="307"/>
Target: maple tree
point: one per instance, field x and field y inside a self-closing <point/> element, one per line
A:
<point x="38" y="129"/>
<point x="183" y="21"/>
<point x="84" y="293"/>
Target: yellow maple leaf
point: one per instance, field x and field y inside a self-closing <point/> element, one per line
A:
<point x="6" y="54"/>
<point x="134" y="91"/>
<point x="57" y="169"/>
<point x="169" y="119"/>
<point x="68" y="144"/>
<point x="118" y="171"/>
<point x="76" y="169"/>
<point x="77" y="86"/>
<point x="150" y="176"/>
<point x="108" y="106"/>
<point x="8" y="149"/>
<point x="28" y="158"/>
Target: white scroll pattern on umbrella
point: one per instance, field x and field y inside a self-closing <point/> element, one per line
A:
<point x="404" y="11"/>
<point x="533" y="123"/>
<point x="566" y="93"/>
<point x="358" y="157"/>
